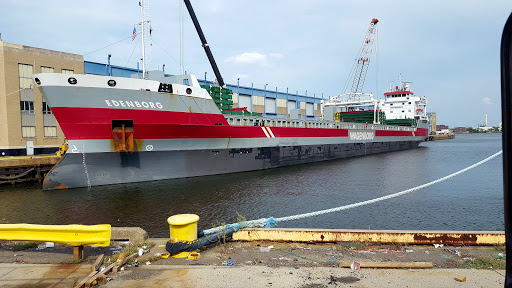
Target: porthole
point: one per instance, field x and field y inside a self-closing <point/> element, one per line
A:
<point x="189" y="91"/>
<point x="72" y="80"/>
<point x="111" y="83"/>
<point x="38" y="82"/>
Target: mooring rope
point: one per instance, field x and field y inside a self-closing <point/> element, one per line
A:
<point x="271" y="222"/>
<point x="359" y="204"/>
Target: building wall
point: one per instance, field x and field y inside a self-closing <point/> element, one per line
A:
<point x="12" y="118"/>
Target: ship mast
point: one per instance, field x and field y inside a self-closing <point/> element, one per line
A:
<point x="144" y="14"/>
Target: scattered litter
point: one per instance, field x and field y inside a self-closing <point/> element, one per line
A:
<point x="141" y="251"/>
<point x="427" y="252"/>
<point x="248" y="262"/>
<point x="17" y="255"/>
<point x="446" y="256"/>
<point x="41" y="247"/>
<point x="110" y="279"/>
<point x="366" y="252"/>
<point x="285" y="258"/>
<point x="266" y="249"/>
<point x="165" y="256"/>
<point x="438" y="245"/>
<point x="453" y="251"/>
<point x="161" y="246"/>
<point x="409" y="251"/>
<point x="144" y="247"/>
<point x="460" y="279"/>
<point x="125" y="243"/>
<point x="148" y="263"/>
<point x="122" y="269"/>
<point x="498" y="255"/>
<point x="116" y="248"/>
<point x="355" y="266"/>
<point x="228" y="263"/>
<point x="102" y="268"/>
<point x="50" y="244"/>
<point x="136" y="264"/>
<point x="158" y="254"/>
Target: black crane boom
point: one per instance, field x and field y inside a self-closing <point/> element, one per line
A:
<point x="204" y="43"/>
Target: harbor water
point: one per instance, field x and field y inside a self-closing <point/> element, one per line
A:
<point x="470" y="201"/>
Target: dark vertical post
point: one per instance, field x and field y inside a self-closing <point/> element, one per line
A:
<point x="506" y="115"/>
<point x="204" y="43"/>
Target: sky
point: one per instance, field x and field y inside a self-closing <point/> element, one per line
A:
<point x="449" y="50"/>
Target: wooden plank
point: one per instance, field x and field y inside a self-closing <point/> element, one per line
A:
<point x="97" y="263"/>
<point x="82" y="283"/>
<point x="118" y="265"/>
<point x="90" y="281"/>
<point x="391" y="265"/>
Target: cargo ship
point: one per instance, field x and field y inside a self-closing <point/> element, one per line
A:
<point x="123" y="130"/>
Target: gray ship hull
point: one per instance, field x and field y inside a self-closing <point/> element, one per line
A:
<point x="96" y="169"/>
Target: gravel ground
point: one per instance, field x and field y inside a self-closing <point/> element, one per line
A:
<point x="257" y="264"/>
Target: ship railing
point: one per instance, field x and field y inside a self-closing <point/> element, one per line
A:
<point x="241" y="120"/>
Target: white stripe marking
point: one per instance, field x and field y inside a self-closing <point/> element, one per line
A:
<point x="266" y="133"/>
<point x="270" y="131"/>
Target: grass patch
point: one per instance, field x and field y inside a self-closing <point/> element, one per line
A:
<point x="24" y="246"/>
<point x="486" y="263"/>
<point x="129" y="250"/>
<point x="500" y="248"/>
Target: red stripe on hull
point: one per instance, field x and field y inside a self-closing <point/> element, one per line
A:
<point x="96" y="123"/>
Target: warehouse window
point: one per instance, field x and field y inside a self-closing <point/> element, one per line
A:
<point x="46" y="69"/>
<point x="25" y="73"/>
<point x="50" y="131"/>
<point x="66" y="71"/>
<point x="27" y="107"/>
<point x="28" y="132"/>
<point x="46" y="108"/>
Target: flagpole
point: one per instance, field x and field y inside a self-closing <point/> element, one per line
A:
<point x="141" y="4"/>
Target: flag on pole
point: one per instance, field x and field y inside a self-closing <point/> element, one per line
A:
<point x="150" y="30"/>
<point x="134" y="35"/>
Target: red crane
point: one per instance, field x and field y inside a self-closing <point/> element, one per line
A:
<point x="363" y="59"/>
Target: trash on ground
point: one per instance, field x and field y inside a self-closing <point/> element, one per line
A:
<point x="355" y="266"/>
<point x="498" y="255"/>
<point x="409" y="251"/>
<point x="438" y="245"/>
<point x="17" y="255"/>
<point x="141" y="251"/>
<point x="460" y="279"/>
<point x="50" y="244"/>
<point x="148" y="263"/>
<point x="427" y="252"/>
<point x="266" y="249"/>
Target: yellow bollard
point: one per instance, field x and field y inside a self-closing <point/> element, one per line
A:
<point x="183" y="228"/>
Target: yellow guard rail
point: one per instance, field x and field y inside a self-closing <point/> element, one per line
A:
<point x="73" y="235"/>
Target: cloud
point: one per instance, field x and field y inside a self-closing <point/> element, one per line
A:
<point x="487" y="101"/>
<point x="254" y="58"/>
